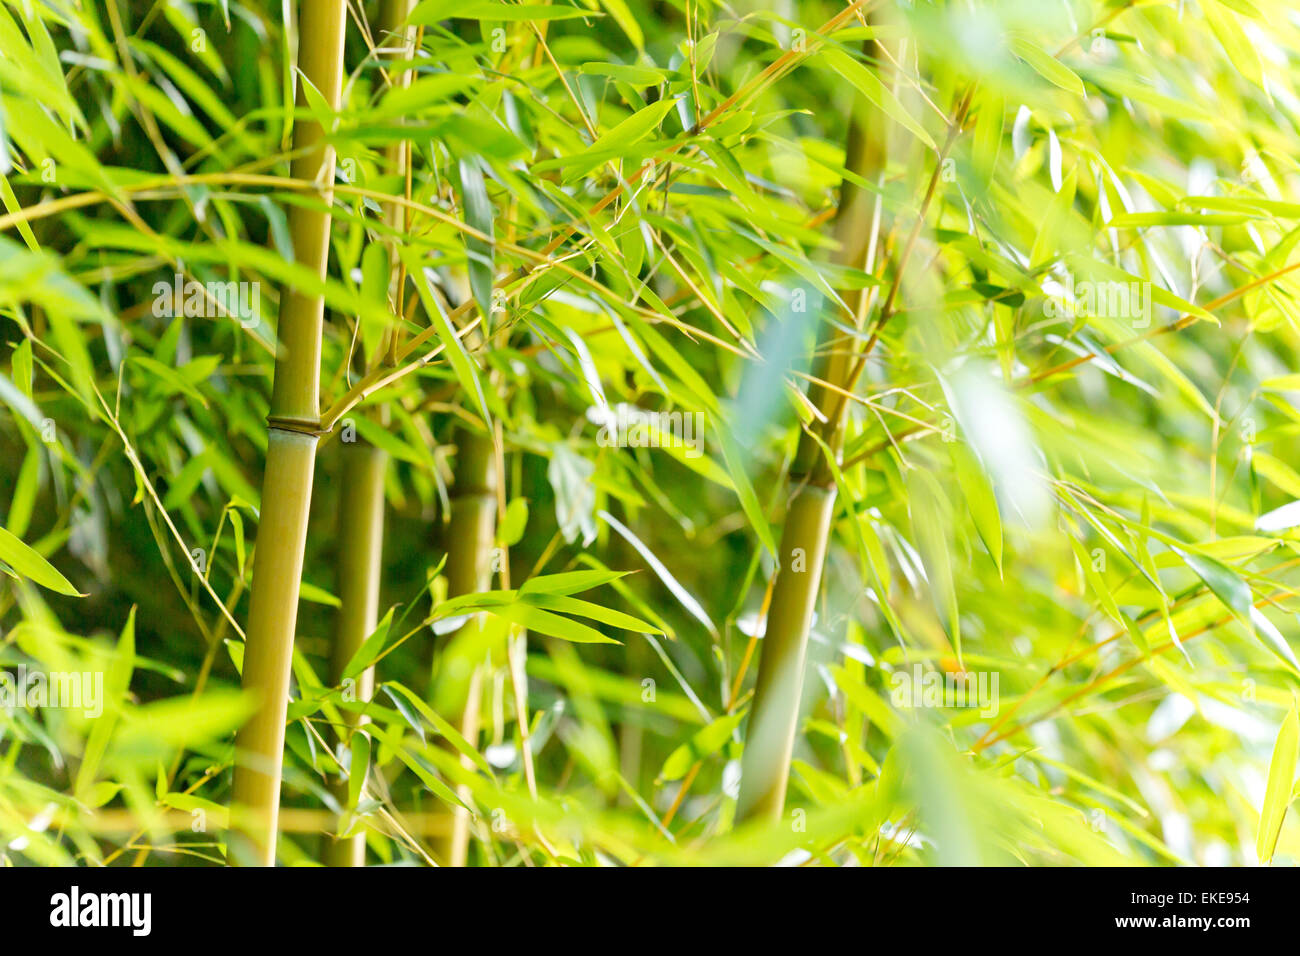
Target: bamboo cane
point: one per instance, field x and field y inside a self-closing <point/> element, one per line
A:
<point x="361" y="495"/>
<point x="471" y="540"/>
<point x="769" y="742"/>
<point x="773" y="722"/>
<point x="360" y="542"/>
<point x="393" y="15"/>
<point x="290" y="462"/>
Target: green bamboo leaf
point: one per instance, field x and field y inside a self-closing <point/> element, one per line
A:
<point x="515" y="522"/>
<point x="1096" y="269"/>
<point x="635" y="75"/>
<point x="431" y="12"/>
<point x="612" y="144"/>
<point x="417" y="766"/>
<point x="24" y="496"/>
<point x="370" y="647"/>
<point x="684" y="597"/>
<point x="170" y="377"/>
<point x="1268" y="632"/>
<point x="461" y="363"/>
<point x="116" y="684"/>
<point x="568" y="582"/>
<point x="387" y="439"/>
<point x="216" y="815"/>
<point x="7" y="192"/>
<point x="1234" y="594"/>
<point x="544" y="622"/>
<point x="317" y="595"/>
<point x="158" y="727"/>
<point x="358" y="766"/>
<point x="1280" y="519"/>
<point x="869" y="544"/>
<point x="426" y="91"/>
<point x="1224" y="583"/>
<point x="443" y="727"/>
<point x="478" y="214"/>
<point x="1278" y="790"/>
<point x="1252" y="206"/>
<point x="930" y="513"/>
<point x="1277" y="472"/>
<point x="626" y="20"/>
<point x="480" y="601"/>
<point x="1054" y="223"/>
<point x="704" y="743"/>
<point x="278" y="223"/>
<point x="744" y="487"/>
<point x="21" y="403"/>
<point x="30" y="564"/>
<point x="189" y="82"/>
<point x="22" y="367"/>
<point x="237" y="526"/>
<point x="1239" y="47"/>
<point x="1280" y="383"/>
<point x="182" y="487"/>
<point x="1047" y="66"/>
<point x="236" y="651"/>
<point x="880" y="96"/>
<point x="1106" y="596"/>
<point x="981" y="503"/>
<point x="1143" y="219"/>
<point x="868" y="702"/>
<point x="595" y="612"/>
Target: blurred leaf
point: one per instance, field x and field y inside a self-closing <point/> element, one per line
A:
<point x="1277" y="792"/>
<point x="704" y="743"/>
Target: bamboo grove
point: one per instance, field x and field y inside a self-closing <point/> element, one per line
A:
<point x="649" y="432"/>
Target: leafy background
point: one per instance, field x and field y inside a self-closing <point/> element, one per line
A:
<point x="1070" y="502"/>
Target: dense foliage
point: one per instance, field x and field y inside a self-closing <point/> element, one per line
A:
<point x="1068" y="465"/>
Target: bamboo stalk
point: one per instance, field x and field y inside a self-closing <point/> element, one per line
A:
<point x="471" y="540"/>
<point x="361" y="495"/>
<point x="290" y="463"/>
<point x="360" y="560"/>
<point x="393" y="15"/>
<point x="773" y="721"/>
<point x="769" y="742"/>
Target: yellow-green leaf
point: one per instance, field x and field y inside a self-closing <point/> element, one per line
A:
<point x="1277" y="793"/>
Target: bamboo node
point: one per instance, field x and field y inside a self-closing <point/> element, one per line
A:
<point x="299" y="426"/>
